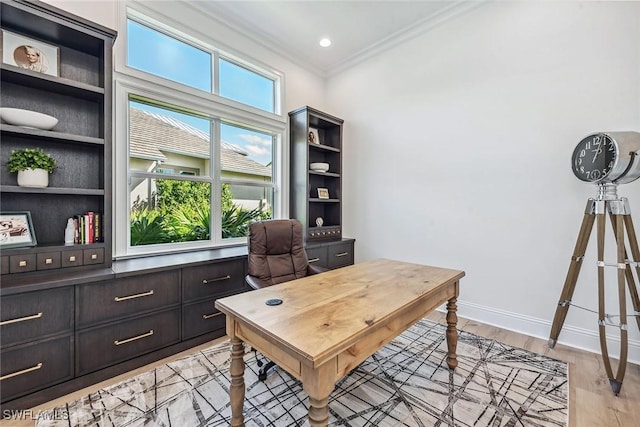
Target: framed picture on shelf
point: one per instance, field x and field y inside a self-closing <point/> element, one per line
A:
<point x="314" y="138"/>
<point x="16" y="230"/>
<point x="30" y="54"/>
<point x="323" y="193"/>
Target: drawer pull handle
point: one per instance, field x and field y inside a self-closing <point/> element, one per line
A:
<point x="148" y="334"/>
<point x="209" y="316"/>
<point x="94" y="256"/>
<point x="24" y="371"/>
<point x="22" y="263"/>
<point x="72" y="258"/>
<point x="144" y="294"/>
<point x="48" y="261"/>
<point x="21" y="319"/>
<point x="217" y="279"/>
<point x="341" y="254"/>
<point x="313" y="260"/>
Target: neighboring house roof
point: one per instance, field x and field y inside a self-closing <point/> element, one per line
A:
<point x="151" y="134"/>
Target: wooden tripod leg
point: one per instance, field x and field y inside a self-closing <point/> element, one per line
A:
<point x="616" y="383"/>
<point x="602" y="332"/>
<point x="572" y="275"/>
<point x="635" y="253"/>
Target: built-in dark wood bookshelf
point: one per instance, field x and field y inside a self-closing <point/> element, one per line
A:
<point x="80" y="98"/>
<point x="321" y="217"/>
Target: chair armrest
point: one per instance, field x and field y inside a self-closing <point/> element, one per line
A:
<point x="314" y="269"/>
<point x="255" y="282"/>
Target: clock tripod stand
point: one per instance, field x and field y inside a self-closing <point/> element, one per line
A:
<point x="607" y="204"/>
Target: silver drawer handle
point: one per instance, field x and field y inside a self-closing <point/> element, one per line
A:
<point x="24" y="371"/>
<point x="217" y="279"/>
<point x="148" y="334"/>
<point x="313" y="260"/>
<point x="342" y="254"/>
<point x="209" y="316"/>
<point x="21" y="319"/>
<point x="144" y="294"/>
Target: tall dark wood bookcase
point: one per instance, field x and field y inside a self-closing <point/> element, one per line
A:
<point x="80" y="97"/>
<point x="324" y="240"/>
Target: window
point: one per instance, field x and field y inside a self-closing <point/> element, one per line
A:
<point x="157" y="53"/>
<point x="199" y="169"/>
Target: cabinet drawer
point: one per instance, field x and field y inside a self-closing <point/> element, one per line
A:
<point x="213" y="279"/>
<point x="114" y="343"/>
<point x="22" y="263"/>
<point x="48" y="260"/>
<point x="127" y="296"/>
<point x="4" y="264"/>
<point x="317" y="256"/>
<point x="31" y="315"/>
<point x="31" y="368"/>
<point x="93" y="256"/>
<point x="340" y="255"/>
<point x="72" y="258"/>
<point x="200" y="318"/>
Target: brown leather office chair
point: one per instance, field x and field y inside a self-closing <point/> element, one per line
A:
<point x="276" y="255"/>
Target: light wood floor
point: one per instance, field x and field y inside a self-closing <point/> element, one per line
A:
<point x="591" y="402"/>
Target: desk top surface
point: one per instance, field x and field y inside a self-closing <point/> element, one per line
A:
<point x="323" y="311"/>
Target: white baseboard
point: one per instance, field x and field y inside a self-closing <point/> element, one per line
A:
<point x="571" y="336"/>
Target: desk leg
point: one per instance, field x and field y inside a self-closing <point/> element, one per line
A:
<point x="452" y="333"/>
<point x="319" y="383"/>
<point x="236" y="390"/>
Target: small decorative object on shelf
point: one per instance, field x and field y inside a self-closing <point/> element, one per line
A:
<point x="33" y="166"/>
<point x="323" y="193"/>
<point x="319" y="167"/>
<point x="27" y="118"/>
<point x="69" y="233"/>
<point x="313" y="136"/>
<point x="16" y="230"/>
<point x="319" y="221"/>
<point x="29" y="53"/>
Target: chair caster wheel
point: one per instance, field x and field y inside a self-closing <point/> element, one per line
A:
<point x="259" y="362"/>
<point x="262" y="376"/>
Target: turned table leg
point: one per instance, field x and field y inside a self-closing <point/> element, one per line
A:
<point x="319" y="383"/>
<point x="452" y="333"/>
<point x="236" y="390"/>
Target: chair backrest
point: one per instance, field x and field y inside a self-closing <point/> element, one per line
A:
<point x="276" y="251"/>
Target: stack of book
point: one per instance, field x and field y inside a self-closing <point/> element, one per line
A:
<point x="88" y="228"/>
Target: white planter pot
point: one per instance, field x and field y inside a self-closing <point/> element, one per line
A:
<point x="38" y="178"/>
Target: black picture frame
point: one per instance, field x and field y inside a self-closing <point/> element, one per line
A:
<point x="16" y="230"/>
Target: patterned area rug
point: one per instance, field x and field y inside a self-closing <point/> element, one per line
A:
<point x="406" y="383"/>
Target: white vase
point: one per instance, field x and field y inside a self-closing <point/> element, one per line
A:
<point x="38" y="178"/>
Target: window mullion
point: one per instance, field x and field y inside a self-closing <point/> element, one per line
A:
<point x="216" y="188"/>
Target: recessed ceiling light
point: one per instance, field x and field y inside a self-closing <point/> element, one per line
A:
<point x="325" y="42"/>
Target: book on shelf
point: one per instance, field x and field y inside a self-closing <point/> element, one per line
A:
<point x="88" y="228"/>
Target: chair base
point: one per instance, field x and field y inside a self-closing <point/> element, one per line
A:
<point x="262" y="374"/>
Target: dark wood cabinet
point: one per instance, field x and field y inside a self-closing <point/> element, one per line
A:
<point x="59" y="339"/>
<point x="320" y="214"/>
<point x="331" y="254"/>
<point x="316" y="195"/>
<point x="118" y="341"/>
<point x="79" y="96"/>
<point x="126" y="297"/>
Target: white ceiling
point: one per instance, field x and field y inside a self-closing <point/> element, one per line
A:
<point x="358" y="29"/>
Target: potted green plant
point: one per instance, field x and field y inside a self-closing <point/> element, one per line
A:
<point x="33" y="166"/>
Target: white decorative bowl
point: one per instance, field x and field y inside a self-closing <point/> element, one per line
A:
<point x="27" y="118"/>
<point x="319" y="167"/>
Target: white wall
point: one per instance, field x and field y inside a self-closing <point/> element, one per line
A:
<point x="457" y="150"/>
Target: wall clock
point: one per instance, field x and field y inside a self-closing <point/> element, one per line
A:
<point x="612" y="157"/>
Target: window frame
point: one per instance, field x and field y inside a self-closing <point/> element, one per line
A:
<point x="130" y="81"/>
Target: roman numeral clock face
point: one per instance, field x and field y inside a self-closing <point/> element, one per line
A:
<point x="594" y="157"/>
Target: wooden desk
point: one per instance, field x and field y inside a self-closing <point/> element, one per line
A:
<point x="331" y="322"/>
